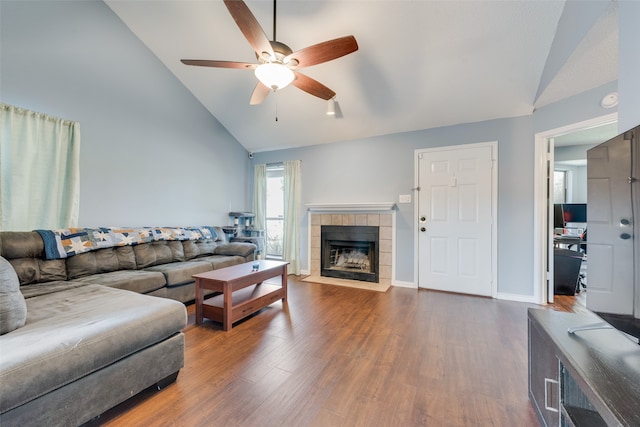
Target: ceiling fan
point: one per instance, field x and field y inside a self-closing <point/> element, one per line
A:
<point x="278" y="64"/>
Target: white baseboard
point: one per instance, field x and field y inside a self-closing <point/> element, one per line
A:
<point x="517" y="297"/>
<point x="501" y="295"/>
<point x="404" y="284"/>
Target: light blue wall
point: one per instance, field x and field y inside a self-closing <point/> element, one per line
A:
<point x="572" y="152"/>
<point x="575" y="109"/>
<point x="151" y="154"/>
<point x="379" y="169"/>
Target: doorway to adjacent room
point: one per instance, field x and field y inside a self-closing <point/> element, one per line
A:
<point x="547" y="160"/>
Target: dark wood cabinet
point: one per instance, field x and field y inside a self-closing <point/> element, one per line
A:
<point x="588" y="378"/>
<point x="544" y="377"/>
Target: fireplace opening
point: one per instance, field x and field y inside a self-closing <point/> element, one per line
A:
<point x="349" y="252"/>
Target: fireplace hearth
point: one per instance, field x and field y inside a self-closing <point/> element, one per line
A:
<point x="350" y="252"/>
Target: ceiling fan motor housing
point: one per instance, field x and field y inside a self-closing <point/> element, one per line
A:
<point x="281" y="51"/>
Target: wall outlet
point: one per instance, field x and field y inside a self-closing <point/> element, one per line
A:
<point x="405" y="198"/>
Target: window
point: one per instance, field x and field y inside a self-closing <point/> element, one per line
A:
<point x="275" y="211"/>
<point x="559" y="186"/>
<point x="276" y="201"/>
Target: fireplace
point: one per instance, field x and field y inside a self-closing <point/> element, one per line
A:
<point x="350" y="252"/>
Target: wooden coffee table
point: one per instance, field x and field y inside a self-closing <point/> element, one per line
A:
<point x="243" y="292"/>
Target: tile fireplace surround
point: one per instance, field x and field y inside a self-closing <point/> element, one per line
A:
<point x="380" y="215"/>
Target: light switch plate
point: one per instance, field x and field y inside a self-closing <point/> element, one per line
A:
<point x="405" y="198"/>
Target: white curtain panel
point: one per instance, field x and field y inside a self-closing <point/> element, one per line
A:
<point x="39" y="170"/>
<point x="292" y="186"/>
<point x="260" y="199"/>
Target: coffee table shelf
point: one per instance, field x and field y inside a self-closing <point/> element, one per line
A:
<point x="244" y="302"/>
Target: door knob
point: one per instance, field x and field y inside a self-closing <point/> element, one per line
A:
<point x="423" y="229"/>
<point x="423" y="219"/>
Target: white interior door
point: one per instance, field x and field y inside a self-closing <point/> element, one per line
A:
<point x="610" y="228"/>
<point x="456" y="206"/>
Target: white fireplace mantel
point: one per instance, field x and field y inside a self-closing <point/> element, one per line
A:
<point x="351" y="207"/>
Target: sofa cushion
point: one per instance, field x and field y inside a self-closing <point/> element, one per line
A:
<point x="179" y="273"/>
<point x="70" y="334"/>
<point x="206" y="247"/>
<point x="13" y="309"/>
<point x="101" y="261"/>
<point x="244" y="249"/>
<point x="190" y="249"/>
<point x="126" y="258"/>
<point x="145" y="255"/>
<point x="35" y="270"/>
<point x="37" y="289"/>
<point x="131" y="280"/>
<point x="221" y="261"/>
<point x="177" y="250"/>
<point x="154" y="253"/>
<point x="163" y="252"/>
<point x="21" y="244"/>
<point x="89" y="263"/>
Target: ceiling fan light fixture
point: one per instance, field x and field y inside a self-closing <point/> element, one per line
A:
<point x="274" y="75"/>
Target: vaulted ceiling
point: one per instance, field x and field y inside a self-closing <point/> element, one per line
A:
<point x="421" y="64"/>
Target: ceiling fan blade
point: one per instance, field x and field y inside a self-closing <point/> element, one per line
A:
<point x="312" y="86"/>
<point x="323" y="52"/>
<point x="219" y="64"/>
<point x="259" y="94"/>
<point x="249" y="26"/>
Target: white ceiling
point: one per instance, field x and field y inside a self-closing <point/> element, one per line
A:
<point x="589" y="136"/>
<point x="421" y="64"/>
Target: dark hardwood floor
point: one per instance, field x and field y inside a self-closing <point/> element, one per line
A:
<point x="336" y="356"/>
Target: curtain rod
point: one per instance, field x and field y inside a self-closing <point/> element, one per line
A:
<point x="278" y="163"/>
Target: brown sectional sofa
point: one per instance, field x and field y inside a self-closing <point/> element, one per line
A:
<point x="159" y="268"/>
<point x="95" y="334"/>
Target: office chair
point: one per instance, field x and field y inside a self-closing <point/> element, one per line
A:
<point x="566" y="271"/>
<point x="581" y="247"/>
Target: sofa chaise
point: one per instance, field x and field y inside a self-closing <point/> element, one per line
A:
<point x="83" y="327"/>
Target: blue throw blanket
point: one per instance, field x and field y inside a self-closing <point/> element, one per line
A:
<point x="67" y="242"/>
